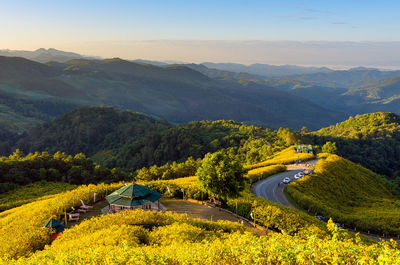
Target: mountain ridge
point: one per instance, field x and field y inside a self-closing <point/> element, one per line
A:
<point x="176" y="93"/>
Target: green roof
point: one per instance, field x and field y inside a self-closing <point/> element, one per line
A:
<point x="52" y="223"/>
<point x="141" y="195"/>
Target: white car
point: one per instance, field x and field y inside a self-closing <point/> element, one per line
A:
<point x="300" y="174"/>
<point x="286" y="180"/>
<point x="297" y="176"/>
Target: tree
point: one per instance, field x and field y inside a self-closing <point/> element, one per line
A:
<point x="304" y="129"/>
<point x="220" y="176"/>
<point x="287" y="136"/>
<point x="329" y="147"/>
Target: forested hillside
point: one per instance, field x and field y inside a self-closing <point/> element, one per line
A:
<point x="91" y="130"/>
<point x="19" y="170"/>
<point x="131" y="141"/>
<point x="373" y="140"/>
<point x="175" y="93"/>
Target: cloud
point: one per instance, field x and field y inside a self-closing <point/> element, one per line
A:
<point x="312" y="10"/>
<point x="340" y="23"/>
<point x="308" y="18"/>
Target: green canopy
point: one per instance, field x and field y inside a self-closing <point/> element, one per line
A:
<point x="53" y="223"/>
<point x="133" y="195"/>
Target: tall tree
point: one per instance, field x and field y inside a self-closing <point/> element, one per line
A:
<point x="220" y="176"/>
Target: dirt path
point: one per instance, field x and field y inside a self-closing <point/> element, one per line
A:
<point x="96" y="211"/>
<point x="197" y="210"/>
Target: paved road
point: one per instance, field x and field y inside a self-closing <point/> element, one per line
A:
<point x="272" y="187"/>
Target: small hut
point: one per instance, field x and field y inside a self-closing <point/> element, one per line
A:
<point x="133" y="196"/>
<point x="57" y="225"/>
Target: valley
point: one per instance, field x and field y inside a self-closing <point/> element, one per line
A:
<point x="81" y="127"/>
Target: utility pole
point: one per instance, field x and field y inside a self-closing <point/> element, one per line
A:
<point x="236" y="207"/>
<point x="65" y="217"/>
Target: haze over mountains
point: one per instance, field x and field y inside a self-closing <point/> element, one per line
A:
<point x="51" y="82"/>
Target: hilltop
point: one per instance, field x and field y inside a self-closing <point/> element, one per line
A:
<point x="42" y="55"/>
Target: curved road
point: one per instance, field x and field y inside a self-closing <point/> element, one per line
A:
<point x="272" y="187"/>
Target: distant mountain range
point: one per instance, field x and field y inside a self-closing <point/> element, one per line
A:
<point x="33" y="92"/>
<point x="355" y="91"/>
<point x="44" y="55"/>
<point x="267" y="70"/>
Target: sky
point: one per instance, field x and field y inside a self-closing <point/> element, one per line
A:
<point x="332" y="33"/>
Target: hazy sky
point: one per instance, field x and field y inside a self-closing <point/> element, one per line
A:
<point x="343" y="33"/>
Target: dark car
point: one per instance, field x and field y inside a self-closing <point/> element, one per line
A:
<point x="321" y="218"/>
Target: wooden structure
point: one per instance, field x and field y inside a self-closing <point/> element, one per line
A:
<point x="304" y="149"/>
<point x="133" y="196"/>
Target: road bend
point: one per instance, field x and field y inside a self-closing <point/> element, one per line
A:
<point x="272" y="187"/>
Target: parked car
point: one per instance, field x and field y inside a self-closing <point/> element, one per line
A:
<point x="339" y="225"/>
<point x="307" y="171"/>
<point x="286" y="180"/>
<point x="300" y="174"/>
<point x="297" y="176"/>
<point x="321" y="218"/>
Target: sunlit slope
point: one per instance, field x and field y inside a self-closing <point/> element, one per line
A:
<point x="350" y="194"/>
<point x="31" y="192"/>
<point x="286" y="156"/>
<point x="143" y="237"/>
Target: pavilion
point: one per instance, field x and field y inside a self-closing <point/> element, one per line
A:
<point x="57" y="225"/>
<point x="133" y="196"/>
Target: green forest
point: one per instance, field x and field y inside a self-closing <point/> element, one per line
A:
<point x="372" y="140"/>
<point x="194" y="161"/>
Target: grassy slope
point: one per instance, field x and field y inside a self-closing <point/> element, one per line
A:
<point x="31" y="192"/>
<point x="264" y="172"/>
<point x="287" y="156"/>
<point x="349" y="194"/>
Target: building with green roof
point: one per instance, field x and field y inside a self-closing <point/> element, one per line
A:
<point x="133" y="196"/>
